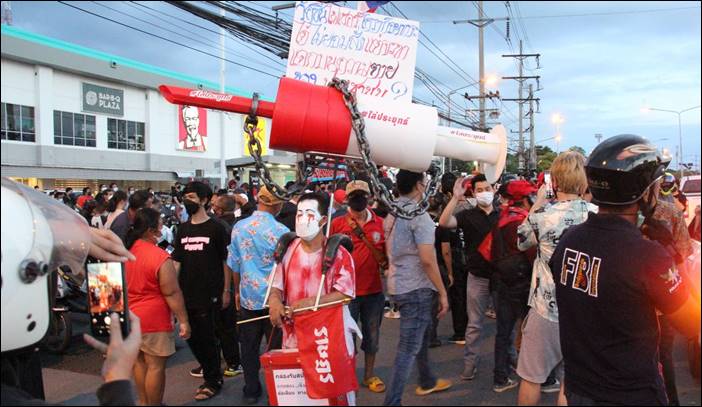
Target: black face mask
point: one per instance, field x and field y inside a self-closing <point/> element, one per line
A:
<point x="191" y="207"/>
<point x="358" y="202"/>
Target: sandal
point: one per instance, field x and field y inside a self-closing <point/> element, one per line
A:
<point x="205" y="392"/>
<point x="374" y="384"/>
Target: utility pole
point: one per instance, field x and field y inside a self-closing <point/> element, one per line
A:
<point x="481" y="70"/>
<point x="598" y="136"/>
<point x="532" y="144"/>
<point x="7" y="12"/>
<point x="521" y="153"/>
<point x="481" y="23"/>
<point x="222" y="144"/>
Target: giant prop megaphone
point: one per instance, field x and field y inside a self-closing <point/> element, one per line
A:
<point x="308" y="117"/>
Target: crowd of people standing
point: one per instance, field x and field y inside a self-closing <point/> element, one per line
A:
<point x="564" y="274"/>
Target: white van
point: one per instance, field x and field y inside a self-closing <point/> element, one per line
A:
<point x="690" y="186"/>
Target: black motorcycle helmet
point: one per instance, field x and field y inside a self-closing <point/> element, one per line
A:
<point x="621" y="169"/>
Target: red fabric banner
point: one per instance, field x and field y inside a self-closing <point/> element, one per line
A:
<point x="328" y="368"/>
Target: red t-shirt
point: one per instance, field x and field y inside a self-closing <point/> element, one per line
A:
<point x="82" y="200"/>
<point x="300" y="274"/>
<point x="143" y="288"/>
<point x="367" y="269"/>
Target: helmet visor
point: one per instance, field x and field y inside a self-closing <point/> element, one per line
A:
<point x="70" y="235"/>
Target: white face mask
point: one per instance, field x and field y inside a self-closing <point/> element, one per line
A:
<point x="307" y="220"/>
<point x="485" y="198"/>
<point x="115" y="189"/>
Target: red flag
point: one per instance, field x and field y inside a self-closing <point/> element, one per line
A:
<point x="328" y="368"/>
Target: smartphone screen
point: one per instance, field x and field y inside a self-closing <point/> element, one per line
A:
<point x="170" y="249"/>
<point x="549" y="185"/>
<point x="107" y="294"/>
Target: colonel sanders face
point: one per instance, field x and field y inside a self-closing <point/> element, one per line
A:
<point x="191" y="120"/>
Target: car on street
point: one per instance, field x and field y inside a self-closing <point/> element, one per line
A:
<point x="690" y="186"/>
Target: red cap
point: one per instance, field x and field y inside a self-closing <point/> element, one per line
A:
<point x="520" y="189"/>
<point x="339" y="196"/>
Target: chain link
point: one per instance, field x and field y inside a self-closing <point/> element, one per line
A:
<point x="250" y="124"/>
<point x="385" y="196"/>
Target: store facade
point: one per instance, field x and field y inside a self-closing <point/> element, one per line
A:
<point x="73" y="116"/>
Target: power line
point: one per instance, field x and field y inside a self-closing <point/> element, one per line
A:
<point x="583" y="15"/>
<point x="140" y="4"/>
<point x="207" y="44"/>
<point x="167" y="39"/>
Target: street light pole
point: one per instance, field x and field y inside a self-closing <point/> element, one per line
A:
<point x="680" y="149"/>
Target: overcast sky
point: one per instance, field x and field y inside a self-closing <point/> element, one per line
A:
<point x="601" y="62"/>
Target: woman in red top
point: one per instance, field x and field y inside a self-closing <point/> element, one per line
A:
<point x="153" y="294"/>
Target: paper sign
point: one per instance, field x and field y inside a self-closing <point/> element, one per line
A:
<point x="376" y="53"/>
<point x="290" y="389"/>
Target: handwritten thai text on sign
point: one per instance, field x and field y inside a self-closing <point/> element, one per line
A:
<point x="376" y="53"/>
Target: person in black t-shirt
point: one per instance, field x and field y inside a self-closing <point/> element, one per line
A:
<point x="200" y="257"/>
<point x="610" y="281"/>
<point x="475" y="223"/>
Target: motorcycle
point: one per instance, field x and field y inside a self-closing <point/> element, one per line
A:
<point x="68" y="296"/>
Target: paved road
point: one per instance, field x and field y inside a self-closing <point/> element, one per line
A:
<point x="74" y="377"/>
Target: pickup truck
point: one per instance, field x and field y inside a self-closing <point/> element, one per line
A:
<point x="690" y="186"/>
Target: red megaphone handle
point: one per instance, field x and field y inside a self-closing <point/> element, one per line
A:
<point x="215" y="100"/>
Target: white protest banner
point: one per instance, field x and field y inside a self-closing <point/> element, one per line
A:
<point x="376" y="53"/>
<point x="290" y="389"/>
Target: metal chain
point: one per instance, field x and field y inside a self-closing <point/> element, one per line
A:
<point x="255" y="148"/>
<point x="359" y="128"/>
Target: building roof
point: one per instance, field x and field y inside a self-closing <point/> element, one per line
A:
<point x="25" y="46"/>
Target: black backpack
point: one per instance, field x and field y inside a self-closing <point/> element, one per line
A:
<point x="512" y="269"/>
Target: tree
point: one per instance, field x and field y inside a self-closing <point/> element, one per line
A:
<point x="544" y="158"/>
<point x="579" y="150"/>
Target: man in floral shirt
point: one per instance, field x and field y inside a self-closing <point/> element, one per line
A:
<point x="251" y="258"/>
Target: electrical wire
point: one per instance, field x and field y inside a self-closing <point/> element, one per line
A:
<point x="167" y="39"/>
<point x="207" y="43"/>
<point x="140" y="4"/>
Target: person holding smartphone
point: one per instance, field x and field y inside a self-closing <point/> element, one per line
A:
<point x="154" y="295"/>
<point x="200" y="258"/>
<point x="25" y="293"/>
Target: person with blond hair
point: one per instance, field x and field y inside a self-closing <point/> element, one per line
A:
<point x="541" y="347"/>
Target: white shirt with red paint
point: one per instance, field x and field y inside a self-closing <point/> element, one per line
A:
<point x="299" y="276"/>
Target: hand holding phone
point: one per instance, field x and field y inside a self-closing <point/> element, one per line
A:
<point x="549" y="186"/>
<point x="107" y="296"/>
<point x="122" y="352"/>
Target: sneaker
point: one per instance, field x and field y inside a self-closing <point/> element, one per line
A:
<point x="435" y="343"/>
<point x="490" y="313"/>
<point x="441" y="385"/>
<point x="392" y="314"/>
<point x="500" y="387"/>
<point x="231" y="371"/>
<point x="459" y="340"/>
<point x="553" y="386"/>
<point x="469" y="374"/>
<point x="197" y="372"/>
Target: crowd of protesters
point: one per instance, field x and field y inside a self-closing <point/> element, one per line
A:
<point x="561" y="326"/>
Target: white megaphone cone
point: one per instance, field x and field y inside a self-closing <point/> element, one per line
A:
<point x="467" y="145"/>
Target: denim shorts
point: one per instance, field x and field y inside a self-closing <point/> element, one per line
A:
<point x="369" y="309"/>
